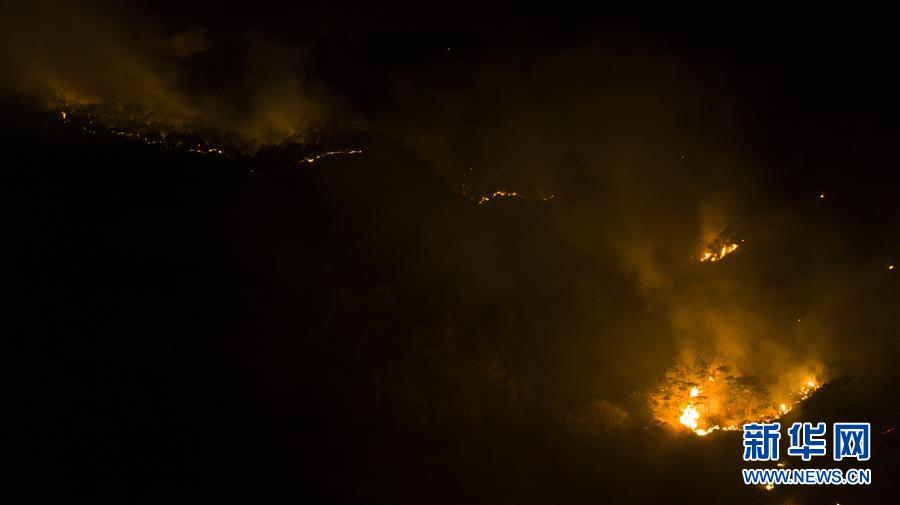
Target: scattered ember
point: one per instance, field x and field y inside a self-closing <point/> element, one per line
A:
<point x="465" y="190"/>
<point x="499" y="194"/>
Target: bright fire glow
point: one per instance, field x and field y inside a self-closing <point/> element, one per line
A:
<point x="689" y="417"/>
<point x="713" y="255"/>
<point x="710" y="397"/>
<point x="718" y="247"/>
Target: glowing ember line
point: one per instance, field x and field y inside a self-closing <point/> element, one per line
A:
<point x="499" y="194"/>
<point x="496" y="195"/>
<point x="182" y="140"/>
<point x="466" y="191"/>
<point x="326" y="154"/>
<point x="88" y="125"/>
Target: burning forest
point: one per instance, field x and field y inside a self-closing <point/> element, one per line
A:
<point x="710" y="396"/>
<point x="372" y="255"/>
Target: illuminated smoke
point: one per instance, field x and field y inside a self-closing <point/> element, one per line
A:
<point x="128" y="73"/>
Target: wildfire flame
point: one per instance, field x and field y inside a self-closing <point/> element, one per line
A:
<point x="726" y="242"/>
<point x="705" y="398"/>
<point x="690" y="416"/>
<point x="717" y="254"/>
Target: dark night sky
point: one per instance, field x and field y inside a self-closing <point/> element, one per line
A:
<point x="358" y="329"/>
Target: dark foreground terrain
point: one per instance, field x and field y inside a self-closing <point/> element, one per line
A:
<point x="193" y="329"/>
